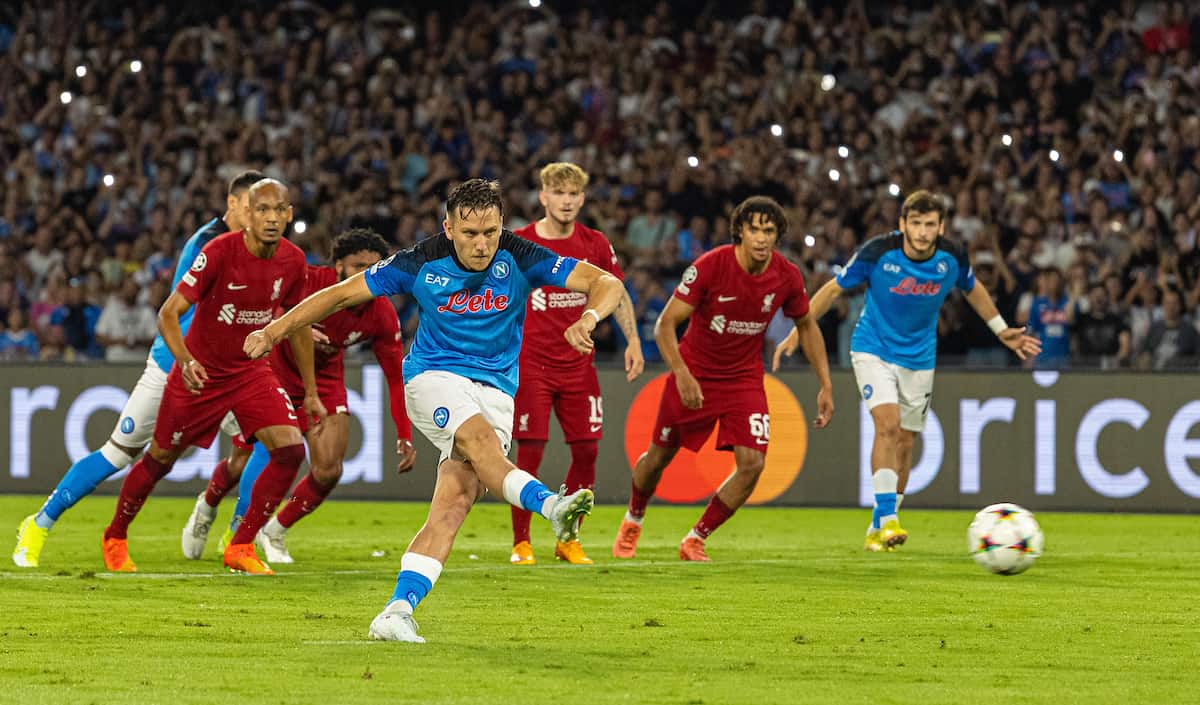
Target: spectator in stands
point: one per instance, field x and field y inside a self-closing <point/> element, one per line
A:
<point x="1101" y="337"/>
<point x="17" y="342"/>
<point x="126" y="328"/>
<point x="1172" y="340"/>
<point x="77" y="319"/>
<point x="1048" y="320"/>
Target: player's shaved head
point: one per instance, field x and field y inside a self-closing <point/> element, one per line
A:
<point x="272" y="189"/>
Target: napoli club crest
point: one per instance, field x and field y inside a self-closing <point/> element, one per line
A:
<point x="441" y="416"/>
<point x="500" y="270"/>
<point x="867" y="392"/>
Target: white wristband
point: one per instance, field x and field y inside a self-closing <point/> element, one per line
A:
<point x="594" y="315"/>
<point x="997" y="324"/>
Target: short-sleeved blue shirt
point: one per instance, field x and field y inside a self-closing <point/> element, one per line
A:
<point x="471" y="323"/>
<point x="899" y="320"/>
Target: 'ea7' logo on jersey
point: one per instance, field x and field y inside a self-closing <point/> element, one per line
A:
<point x="436" y="280"/>
<point x="889" y="267"/>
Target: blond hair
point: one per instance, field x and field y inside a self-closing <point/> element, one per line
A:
<point x="563" y="174"/>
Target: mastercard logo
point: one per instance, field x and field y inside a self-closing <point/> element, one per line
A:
<point x="695" y="476"/>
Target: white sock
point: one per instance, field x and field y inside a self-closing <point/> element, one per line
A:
<point x="274" y="528"/>
<point x="899" y="500"/>
<point x="634" y="520"/>
<point x="693" y="535"/>
<point x="885" y="481"/>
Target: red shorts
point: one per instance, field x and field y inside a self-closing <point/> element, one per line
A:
<point x="740" y="406"/>
<point x="185" y="419"/>
<point x="573" y="393"/>
<point x="331" y="390"/>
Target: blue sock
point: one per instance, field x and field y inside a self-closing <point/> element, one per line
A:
<point x="884" y="482"/>
<point x="534" y="495"/>
<point x="78" y="483"/>
<point x="417" y="575"/>
<point x="254" y="467"/>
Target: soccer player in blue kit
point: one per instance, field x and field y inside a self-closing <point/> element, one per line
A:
<point x="909" y="273"/>
<point x="470" y="284"/>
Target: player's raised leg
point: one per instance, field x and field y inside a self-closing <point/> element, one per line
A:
<point x="646" y="474"/>
<point x="326" y="450"/>
<point x="732" y="494"/>
<point x="457" y="489"/>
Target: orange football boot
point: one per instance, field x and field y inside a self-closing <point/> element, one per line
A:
<point x="692" y="549"/>
<point x="116" y="556"/>
<point x="571" y="552"/>
<point x="522" y="554"/>
<point x="241" y="558"/>
<point x="627" y="537"/>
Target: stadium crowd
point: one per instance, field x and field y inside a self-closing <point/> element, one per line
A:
<point x="1065" y="138"/>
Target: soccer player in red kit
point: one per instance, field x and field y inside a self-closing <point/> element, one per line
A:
<point x="553" y="374"/>
<point x="236" y="283"/>
<point x="376" y="322"/>
<point x="730" y="293"/>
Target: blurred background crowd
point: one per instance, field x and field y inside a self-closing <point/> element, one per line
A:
<point x="1065" y="138"/>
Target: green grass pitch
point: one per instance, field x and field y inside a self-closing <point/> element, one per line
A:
<point x="790" y="611"/>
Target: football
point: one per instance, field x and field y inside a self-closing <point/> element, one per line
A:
<point x="1005" y="538"/>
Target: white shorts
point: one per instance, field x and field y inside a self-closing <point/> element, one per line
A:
<point x="135" y="428"/>
<point x="439" y="402"/>
<point x="881" y="382"/>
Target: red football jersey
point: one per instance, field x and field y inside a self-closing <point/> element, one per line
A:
<point x="732" y="310"/>
<point x="374" y="320"/>
<point x="550" y="309"/>
<point x="235" y="294"/>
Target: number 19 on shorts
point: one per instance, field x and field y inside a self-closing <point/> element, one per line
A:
<point x="760" y="428"/>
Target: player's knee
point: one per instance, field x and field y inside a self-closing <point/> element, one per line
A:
<point x="118" y="455"/>
<point x="904" y="439"/>
<point x="752" y="466"/>
<point x="477" y="443"/>
<point x="327" y="474"/>
<point x="888" y="431"/>
<point x="585" y="452"/>
<point x="289" y="456"/>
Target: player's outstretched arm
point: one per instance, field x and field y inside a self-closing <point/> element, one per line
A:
<point x="675" y="313"/>
<point x="604" y="294"/>
<point x="813" y="343"/>
<point x="1025" y="346"/>
<point x="817" y="307"/>
<point x="316" y="307"/>
<point x="194" y="374"/>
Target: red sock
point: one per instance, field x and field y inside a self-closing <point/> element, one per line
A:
<point x="529" y="458"/>
<point x="220" y="484"/>
<point x="715" y="514"/>
<point x="582" y="472"/>
<point x="307" y="496"/>
<point x="138" y="485"/>
<point x="638" y="500"/>
<point x="269" y="489"/>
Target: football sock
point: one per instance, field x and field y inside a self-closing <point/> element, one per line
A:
<point x="524" y="490"/>
<point x="582" y="472"/>
<point x="138" y="485"/>
<point x="83" y="477"/>
<point x="899" y="501"/>
<point x="417" y="575"/>
<point x="219" y="484"/>
<point x="307" y="496"/>
<point x="269" y="490"/>
<point x="254" y="467"/>
<point x="715" y="514"/>
<point x="884" y="481"/>
<point x="529" y="455"/>
<point x="637" y="503"/>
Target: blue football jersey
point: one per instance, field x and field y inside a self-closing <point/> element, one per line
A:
<point x="899" y="321"/>
<point x="159" y="352"/>
<point x="470" y="323"/>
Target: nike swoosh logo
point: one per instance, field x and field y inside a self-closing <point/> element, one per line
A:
<point x="760" y="441"/>
<point x="235" y="287"/>
<point x="723" y="299"/>
<point x="593" y="429"/>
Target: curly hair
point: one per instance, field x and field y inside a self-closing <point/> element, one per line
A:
<point x="766" y="206"/>
<point x="357" y="240"/>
